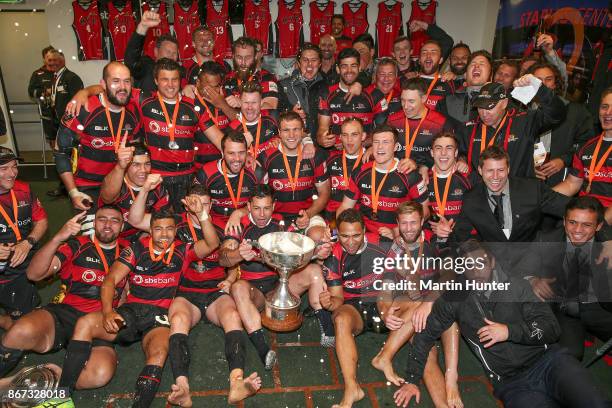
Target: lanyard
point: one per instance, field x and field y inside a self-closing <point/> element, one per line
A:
<point x="129" y="189"/>
<point x="115" y="136"/>
<point x="344" y="166"/>
<point x="171" y="125"/>
<point x="442" y="204"/>
<point x="193" y="236"/>
<point x="595" y="165"/>
<point x="10" y="222"/>
<point x="483" y="134"/>
<point x="161" y="256"/>
<point x="390" y="96"/>
<point x="235" y="197"/>
<point x="410" y="140"/>
<point x="293" y="180"/>
<point x="214" y="117"/>
<point x="473" y="136"/>
<point x="101" y="254"/>
<point x="431" y="86"/>
<point x="375" y="191"/>
<point x="256" y="141"/>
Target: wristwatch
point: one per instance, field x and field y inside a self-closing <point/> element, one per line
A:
<point x="32" y="240"/>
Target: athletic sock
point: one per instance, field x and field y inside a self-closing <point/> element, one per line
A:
<point x="325" y="322"/>
<point x="146" y="386"/>
<point x="9" y="358"/>
<point x="178" y="351"/>
<point x="77" y="354"/>
<point x="259" y="341"/>
<point x="235" y="349"/>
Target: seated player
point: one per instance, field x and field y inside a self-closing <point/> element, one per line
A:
<point x="405" y="311"/>
<point x="379" y="187"/>
<point x="257" y="279"/>
<point x="350" y="294"/>
<point x="125" y="181"/>
<point x="301" y="186"/>
<point x="23" y="224"/>
<point x="81" y="262"/>
<point x="152" y="266"/>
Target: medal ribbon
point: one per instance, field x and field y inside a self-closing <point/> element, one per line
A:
<point x="293" y="180"/>
<point x="344" y="166"/>
<point x="116" y="139"/>
<point x="161" y="256"/>
<point x="171" y="125"/>
<point x="101" y="254"/>
<point x="441" y="204"/>
<point x="483" y="134"/>
<point x="235" y="197"/>
<point x="10" y="222"/>
<point x="214" y="117"/>
<point x="410" y="140"/>
<point x="193" y="234"/>
<point x="375" y="191"/>
<point x="595" y="165"/>
<point x="255" y="146"/>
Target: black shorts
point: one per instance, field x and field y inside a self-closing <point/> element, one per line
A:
<point x="18" y="297"/>
<point x="201" y="300"/>
<point x="265" y="285"/>
<point x="370" y="316"/>
<point x="65" y="317"/>
<point x="140" y="319"/>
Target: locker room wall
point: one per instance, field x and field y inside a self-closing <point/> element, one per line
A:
<point x="471" y="21"/>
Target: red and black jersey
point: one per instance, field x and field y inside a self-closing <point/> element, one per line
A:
<point x="212" y="177"/>
<point x="157" y="200"/>
<point x="154" y="32"/>
<point x="258" y="23"/>
<point x="601" y="185"/>
<point x="388" y="27"/>
<point x="336" y="171"/>
<point x="320" y="20"/>
<point x="82" y="271"/>
<point x="454" y="201"/>
<point x="90" y="133"/>
<point x="205" y="150"/>
<point x="254" y="270"/>
<point x="398" y="187"/>
<point x="437" y="90"/>
<point x="434" y="123"/>
<point x="428" y="15"/>
<point x="87" y="26"/>
<point x="121" y="25"/>
<point x="342" y="42"/>
<point x="289" y="30"/>
<point x="29" y="211"/>
<point x="155" y="282"/>
<point x="204" y="275"/>
<point x="356" y="273"/>
<point x="267" y="80"/>
<point x="356" y="21"/>
<point x="393" y="98"/>
<point x="289" y="201"/>
<point x="269" y="130"/>
<point x="219" y="23"/>
<point x="364" y="106"/>
<point x="185" y="23"/>
<point x="166" y="161"/>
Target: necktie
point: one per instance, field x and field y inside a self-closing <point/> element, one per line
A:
<point x="498" y="212"/>
<point x="573" y="278"/>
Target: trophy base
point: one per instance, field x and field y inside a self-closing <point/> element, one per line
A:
<point x="281" y="320"/>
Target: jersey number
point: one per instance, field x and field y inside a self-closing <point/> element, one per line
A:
<point x="290" y="26"/>
<point x="219" y="30"/>
<point x="388" y="29"/>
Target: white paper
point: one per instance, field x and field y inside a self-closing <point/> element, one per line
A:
<point x="539" y="154"/>
<point x="525" y="94"/>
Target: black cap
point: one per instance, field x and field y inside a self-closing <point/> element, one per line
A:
<point x="489" y="95"/>
<point x="6" y="155"/>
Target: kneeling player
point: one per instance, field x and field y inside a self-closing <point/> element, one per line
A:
<point x="257" y="279"/>
<point x="153" y="266"/>
<point x="82" y="263"/>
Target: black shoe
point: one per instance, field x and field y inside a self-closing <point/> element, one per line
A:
<point x="58" y="192"/>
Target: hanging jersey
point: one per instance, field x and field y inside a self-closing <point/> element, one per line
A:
<point x="258" y="23"/>
<point x="121" y="25"/>
<point x="87" y="26"/>
<point x="289" y="31"/>
<point x="320" y="20"/>
<point x="185" y="23"/>
<point x="388" y="27"/>
<point x="219" y="23"/>
<point x="155" y="32"/>
<point x="356" y="21"/>
<point x="428" y="15"/>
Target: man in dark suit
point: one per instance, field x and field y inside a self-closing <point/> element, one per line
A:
<point x="562" y="266"/>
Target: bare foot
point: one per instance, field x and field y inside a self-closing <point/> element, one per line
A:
<point x="180" y="393"/>
<point x="243" y="388"/>
<point x="386" y="366"/>
<point x="351" y="396"/>
<point x="453" y="397"/>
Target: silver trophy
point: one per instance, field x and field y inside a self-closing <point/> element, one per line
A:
<point x="286" y="252"/>
<point x="35" y="378"/>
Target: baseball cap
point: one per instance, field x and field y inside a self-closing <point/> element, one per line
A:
<point x="6" y="155"/>
<point x="489" y="95"/>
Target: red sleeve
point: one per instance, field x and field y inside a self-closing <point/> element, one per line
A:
<point x="38" y="212"/>
<point x="577" y="169"/>
<point x="320" y="171"/>
<point x="417" y="189"/>
<point x="128" y="258"/>
<point x="162" y="199"/>
<point x="324" y="104"/>
<point x="204" y="121"/>
<point x="379" y="102"/>
<point x="353" y="191"/>
<point x="64" y="253"/>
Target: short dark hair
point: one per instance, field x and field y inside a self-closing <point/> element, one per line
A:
<point x="460" y="44"/>
<point x="350" y="215"/>
<point x="165" y="37"/>
<point x="309" y="47"/>
<point x="262" y="191"/>
<point x="340" y="17"/>
<point x="401" y="38"/>
<point x="481" y="53"/>
<point x="586" y="203"/>
<point x="212" y="68"/>
<point x="161" y="215"/>
<point x="288" y="116"/>
<point x="511" y="63"/>
<point x="493" y="153"/>
<point x="165" y="64"/>
<point x="353" y="119"/>
<point x="415" y="84"/>
<point x="559" y="82"/>
<point x="243" y="42"/>
<point x="385" y="127"/>
<point x="201" y="29"/>
<point x="445" y="133"/>
<point x="113" y="207"/>
<point x="386" y="61"/>
<point x="605" y="93"/>
<point x="366" y="39"/>
<point x="199" y="190"/>
<point x="140" y="149"/>
<point x="348" y="53"/>
<point x="46" y="50"/>
<point x="233" y="136"/>
<point x="251" y="87"/>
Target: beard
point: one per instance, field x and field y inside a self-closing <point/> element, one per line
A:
<point x="106" y="238"/>
<point x="112" y="98"/>
<point x="245" y="75"/>
<point x="458" y="71"/>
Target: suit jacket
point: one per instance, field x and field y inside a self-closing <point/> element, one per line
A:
<point x="69" y="84"/>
